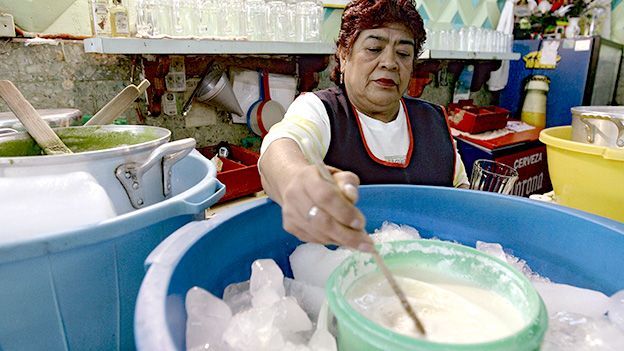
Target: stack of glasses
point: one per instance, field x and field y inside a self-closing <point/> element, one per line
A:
<point x="469" y="39"/>
<point x="271" y="20"/>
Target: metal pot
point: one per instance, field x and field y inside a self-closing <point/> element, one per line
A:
<point x="598" y="125"/>
<point x="131" y="163"/>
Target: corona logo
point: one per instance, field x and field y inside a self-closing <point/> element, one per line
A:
<point x="533" y="60"/>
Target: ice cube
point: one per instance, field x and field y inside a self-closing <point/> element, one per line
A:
<point x="616" y="309"/>
<point x="290" y="317"/>
<point x="237" y="296"/>
<point x="309" y="297"/>
<point x="492" y="249"/>
<point x="266" y="284"/>
<point x="567" y="298"/>
<point x="208" y="317"/>
<point x="254" y="330"/>
<point x="497" y="250"/>
<point x="572" y="331"/>
<point x="322" y="339"/>
<point x="313" y="263"/>
<point x="394" y="232"/>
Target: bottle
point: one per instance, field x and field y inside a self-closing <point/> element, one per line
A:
<point x="120" y="25"/>
<point x="534" y="106"/>
<point x="100" y="20"/>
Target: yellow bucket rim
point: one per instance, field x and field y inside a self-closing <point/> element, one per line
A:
<point x="547" y="136"/>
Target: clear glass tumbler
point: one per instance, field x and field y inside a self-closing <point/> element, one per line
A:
<point x="463" y="39"/>
<point x="492" y="176"/>
<point x="162" y="25"/>
<point x="307" y="21"/>
<point x="232" y="18"/>
<point x="208" y="18"/>
<point x="185" y="17"/>
<point x="257" y="23"/>
<point x="471" y="42"/>
<point x="146" y="17"/>
<point x="277" y="20"/>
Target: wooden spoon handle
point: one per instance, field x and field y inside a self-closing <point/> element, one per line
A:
<point x="34" y="124"/>
<point x="118" y="105"/>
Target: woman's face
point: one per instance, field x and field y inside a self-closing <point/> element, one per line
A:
<point x="378" y="69"/>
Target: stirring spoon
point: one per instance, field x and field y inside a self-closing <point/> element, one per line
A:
<point x="324" y="172"/>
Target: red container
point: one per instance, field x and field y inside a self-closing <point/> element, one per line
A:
<point x="240" y="170"/>
<point x="476" y="119"/>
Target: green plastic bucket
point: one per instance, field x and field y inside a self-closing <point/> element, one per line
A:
<point x="355" y="332"/>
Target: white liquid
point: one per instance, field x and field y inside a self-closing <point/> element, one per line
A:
<point x="451" y="311"/>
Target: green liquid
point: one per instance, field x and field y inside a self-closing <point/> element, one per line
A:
<point x="80" y="139"/>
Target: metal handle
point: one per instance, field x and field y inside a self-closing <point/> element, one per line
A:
<point x="591" y="129"/>
<point x="131" y="174"/>
<point x="7" y="131"/>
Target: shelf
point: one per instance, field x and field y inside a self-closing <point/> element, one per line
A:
<point x="468" y="55"/>
<point x="204" y="46"/>
<point x="245" y="47"/>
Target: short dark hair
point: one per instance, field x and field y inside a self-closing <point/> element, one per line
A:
<point x="360" y="15"/>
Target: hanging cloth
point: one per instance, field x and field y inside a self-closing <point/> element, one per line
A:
<point x="498" y="78"/>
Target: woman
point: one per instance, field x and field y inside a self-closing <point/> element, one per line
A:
<point x="366" y="131"/>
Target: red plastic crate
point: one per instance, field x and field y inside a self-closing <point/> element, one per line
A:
<point x="239" y="172"/>
<point x="466" y="117"/>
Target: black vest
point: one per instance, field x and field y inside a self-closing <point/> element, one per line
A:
<point x="433" y="155"/>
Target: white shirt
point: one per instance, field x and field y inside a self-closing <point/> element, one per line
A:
<point x="307" y="118"/>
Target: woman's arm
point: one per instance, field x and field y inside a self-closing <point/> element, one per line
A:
<point x="291" y="181"/>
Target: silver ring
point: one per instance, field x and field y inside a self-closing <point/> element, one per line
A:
<point x="312" y="212"/>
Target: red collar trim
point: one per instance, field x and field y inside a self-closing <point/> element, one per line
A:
<point x="408" y="157"/>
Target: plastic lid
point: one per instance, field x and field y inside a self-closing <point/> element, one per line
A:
<point x="61" y="117"/>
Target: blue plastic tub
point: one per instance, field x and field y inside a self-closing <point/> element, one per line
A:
<point x="566" y="245"/>
<point x="76" y="290"/>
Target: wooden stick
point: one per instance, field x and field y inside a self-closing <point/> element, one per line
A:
<point x="118" y="105"/>
<point x="325" y="174"/>
<point x="34" y="124"/>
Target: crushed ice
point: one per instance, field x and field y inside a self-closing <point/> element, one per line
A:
<point x="271" y="312"/>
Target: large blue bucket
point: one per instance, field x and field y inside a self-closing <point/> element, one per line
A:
<point x="566" y="245"/>
<point x="76" y="290"/>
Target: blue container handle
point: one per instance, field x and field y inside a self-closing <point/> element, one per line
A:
<point x="207" y="197"/>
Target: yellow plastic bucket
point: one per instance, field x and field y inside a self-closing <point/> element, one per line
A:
<point x="584" y="176"/>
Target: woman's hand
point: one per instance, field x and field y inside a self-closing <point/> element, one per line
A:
<point x="315" y="210"/>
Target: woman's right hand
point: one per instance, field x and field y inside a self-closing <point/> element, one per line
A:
<point x="316" y="210"/>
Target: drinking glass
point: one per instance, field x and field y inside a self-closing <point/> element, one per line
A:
<point x="492" y="176"/>
<point x="277" y="20"/>
<point x="162" y="25"/>
<point x="433" y="39"/>
<point x="185" y="17"/>
<point x="208" y="18"/>
<point x="307" y="21"/>
<point x="480" y="39"/>
<point x="471" y="42"/>
<point x="463" y="39"/>
<point x="443" y="40"/>
<point x="234" y="19"/>
<point x="257" y="24"/>
<point x="490" y="41"/>
<point x="509" y="38"/>
<point x="291" y="14"/>
<point x="453" y="41"/>
<point x="146" y="17"/>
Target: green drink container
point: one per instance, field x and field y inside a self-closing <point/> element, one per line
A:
<point x="356" y="332"/>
